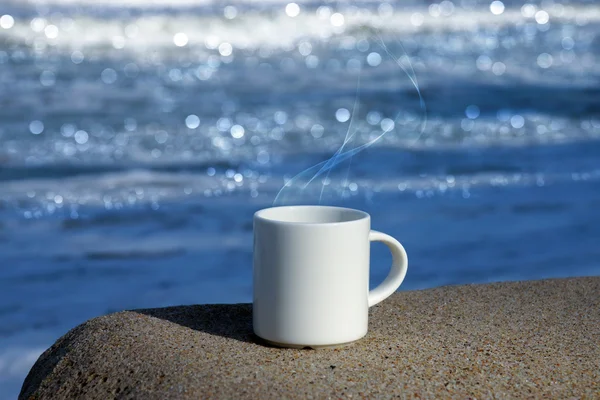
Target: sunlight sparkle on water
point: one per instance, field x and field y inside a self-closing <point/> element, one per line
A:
<point x="542" y="17"/>
<point x="230" y="12"/>
<point x="337" y="19"/>
<point x="47" y="78"/>
<point x="497" y="7"/>
<point x="7" y="21"/>
<point x="517" y="121"/>
<point x="108" y="76"/>
<point x="544" y="60"/>
<point x="342" y="115"/>
<point x="472" y="112"/>
<point x="192" y="121"/>
<point x="237" y="131"/>
<point x="225" y="49"/>
<point x="77" y="57"/>
<point x="51" y="31"/>
<point x="81" y="137"/>
<point x="36" y="127"/>
<point x="292" y="9"/>
<point x="180" y="39"/>
<point x="374" y="59"/>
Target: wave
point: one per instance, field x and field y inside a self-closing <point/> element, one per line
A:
<point x="16" y="362"/>
<point x="151" y="3"/>
<point x="255" y="28"/>
<point x="130" y="189"/>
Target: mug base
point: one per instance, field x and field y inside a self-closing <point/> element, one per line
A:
<point x="308" y="346"/>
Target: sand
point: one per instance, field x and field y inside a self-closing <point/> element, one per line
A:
<point x="506" y="340"/>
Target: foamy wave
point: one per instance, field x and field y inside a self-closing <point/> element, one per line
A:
<point x="137" y="188"/>
<point x="148" y="3"/>
<point x="16" y="362"/>
<point x="127" y="188"/>
<point x="256" y="29"/>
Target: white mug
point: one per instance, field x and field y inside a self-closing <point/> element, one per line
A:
<point x="311" y="275"/>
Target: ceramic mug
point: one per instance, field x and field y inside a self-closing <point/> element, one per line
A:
<point x="311" y="275"/>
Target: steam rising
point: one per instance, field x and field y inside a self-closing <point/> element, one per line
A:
<point x="298" y="190"/>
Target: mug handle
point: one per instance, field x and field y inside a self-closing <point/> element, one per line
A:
<point x="397" y="272"/>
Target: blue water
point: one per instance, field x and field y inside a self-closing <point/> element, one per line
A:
<point x="136" y="142"/>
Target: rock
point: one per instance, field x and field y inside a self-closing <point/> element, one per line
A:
<point x="504" y="340"/>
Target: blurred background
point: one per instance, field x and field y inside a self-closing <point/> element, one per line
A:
<point x="138" y="137"/>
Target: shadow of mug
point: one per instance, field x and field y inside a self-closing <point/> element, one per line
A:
<point x="233" y="321"/>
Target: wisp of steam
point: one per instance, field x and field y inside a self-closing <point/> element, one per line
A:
<point x="298" y="190"/>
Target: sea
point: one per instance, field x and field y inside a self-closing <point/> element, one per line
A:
<point x="138" y="137"/>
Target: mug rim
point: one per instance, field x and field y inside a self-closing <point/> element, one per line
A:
<point x="259" y="215"/>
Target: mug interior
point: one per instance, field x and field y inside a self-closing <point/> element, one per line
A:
<point x="311" y="214"/>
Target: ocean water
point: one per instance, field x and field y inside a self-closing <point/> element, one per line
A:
<point x="137" y="138"/>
